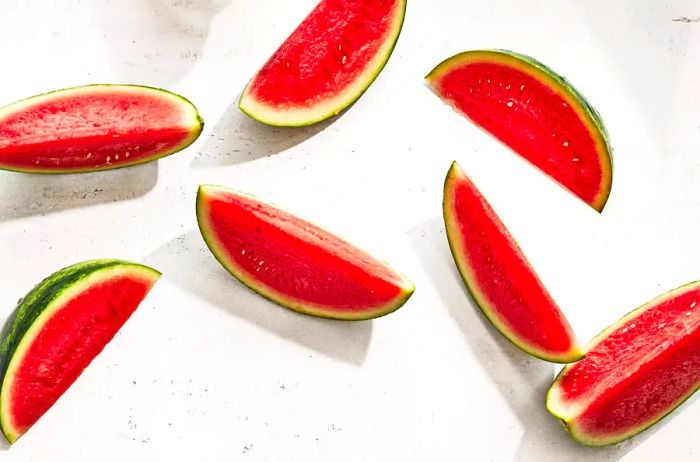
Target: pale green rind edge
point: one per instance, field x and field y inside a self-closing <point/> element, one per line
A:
<point x="196" y="130"/>
<point x="289" y="303"/>
<point x="344" y="105"/>
<point x="584" y="104"/>
<point x="569" y="425"/>
<point x="572" y="355"/>
<point x="40" y="299"/>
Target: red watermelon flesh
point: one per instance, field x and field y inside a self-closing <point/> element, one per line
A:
<point x="326" y="63"/>
<point x="69" y="331"/>
<point x="500" y="278"/>
<point x="534" y="112"/>
<point x="96" y="127"/>
<point x="635" y="372"/>
<point x="295" y="263"/>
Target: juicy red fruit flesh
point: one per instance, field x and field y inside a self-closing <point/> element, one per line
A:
<point x="68" y="342"/>
<point x="326" y="53"/>
<point x="529" y="117"/>
<point x="668" y="334"/>
<point x="296" y="258"/>
<point x="503" y="277"/>
<point x="93" y="130"/>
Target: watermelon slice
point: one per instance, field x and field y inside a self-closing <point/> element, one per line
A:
<point x="499" y="277"/>
<point x="58" y="329"/>
<point x="326" y="64"/>
<point x="535" y="112"/>
<point x="635" y="372"/>
<point x="95" y="127"/>
<point x="295" y="263"/>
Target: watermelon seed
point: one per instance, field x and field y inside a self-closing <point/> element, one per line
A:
<point x="109" y="159"/>
<point x="565" y="105"/>
<point x="89" y="155"/>
<point x="522" y="87"/>
<point x="137" y="148"/>
<point x="116" y="157"/>
<point x="575" y="159"/>
<point x="692" y="305"/>
<point x="344" y="59"/>
<point x="243" y="252"/>
<point x="126" y="154"/>
<point x="565" y="144"/>
<point x="261" y="262"/>
<point x="509" y="104"/>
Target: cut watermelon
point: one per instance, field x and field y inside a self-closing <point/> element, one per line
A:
<point x="327" y="62"/>
<point x="635" y="372"/>
<point x="58" y="329"/>
<point x="535" y="112"/>
<point x="295" y="263"/>
<point x="499" y="277"/>
<point x="95" y="127"/>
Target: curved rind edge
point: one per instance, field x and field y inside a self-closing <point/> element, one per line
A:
<point x="39" y="301"/>
<point x="605" y="157"/>
<point x="369" y="76"/>
<point x="569" y="422"/>
<point x="296" y="305"/>
<point x="195" y="129"/>
<point x="574" y="354"/>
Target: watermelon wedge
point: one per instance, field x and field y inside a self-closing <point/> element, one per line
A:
<point x="635" y="372"/>
<point x="535" y="112"/>
<point x="499" y="277"/>
<point x="58" y="329"/>
<point x="294" y="263"/>
<point x="331" y="58"/>
<point x="95" y="127"/>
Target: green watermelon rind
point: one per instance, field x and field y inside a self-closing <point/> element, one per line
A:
<point x="39" y="301"/>
<point x="296" y="305"/>
<point x="367" y="76"/>
<point x="600" y="442"/>
<point x="196" y="129"/>
<point x="574" y="354"/>
<point x="588" y="109"/>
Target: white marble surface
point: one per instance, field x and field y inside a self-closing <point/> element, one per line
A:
<point x="205" y="370"/>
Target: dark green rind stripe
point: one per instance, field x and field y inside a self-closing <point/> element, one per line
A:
<point x="38" y="299"/>
<point x="185" y="143"/>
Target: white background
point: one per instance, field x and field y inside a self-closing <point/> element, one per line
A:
<point x="206" y="370"/>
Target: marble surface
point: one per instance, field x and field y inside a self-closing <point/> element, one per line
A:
<point x="206" y="370"/>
